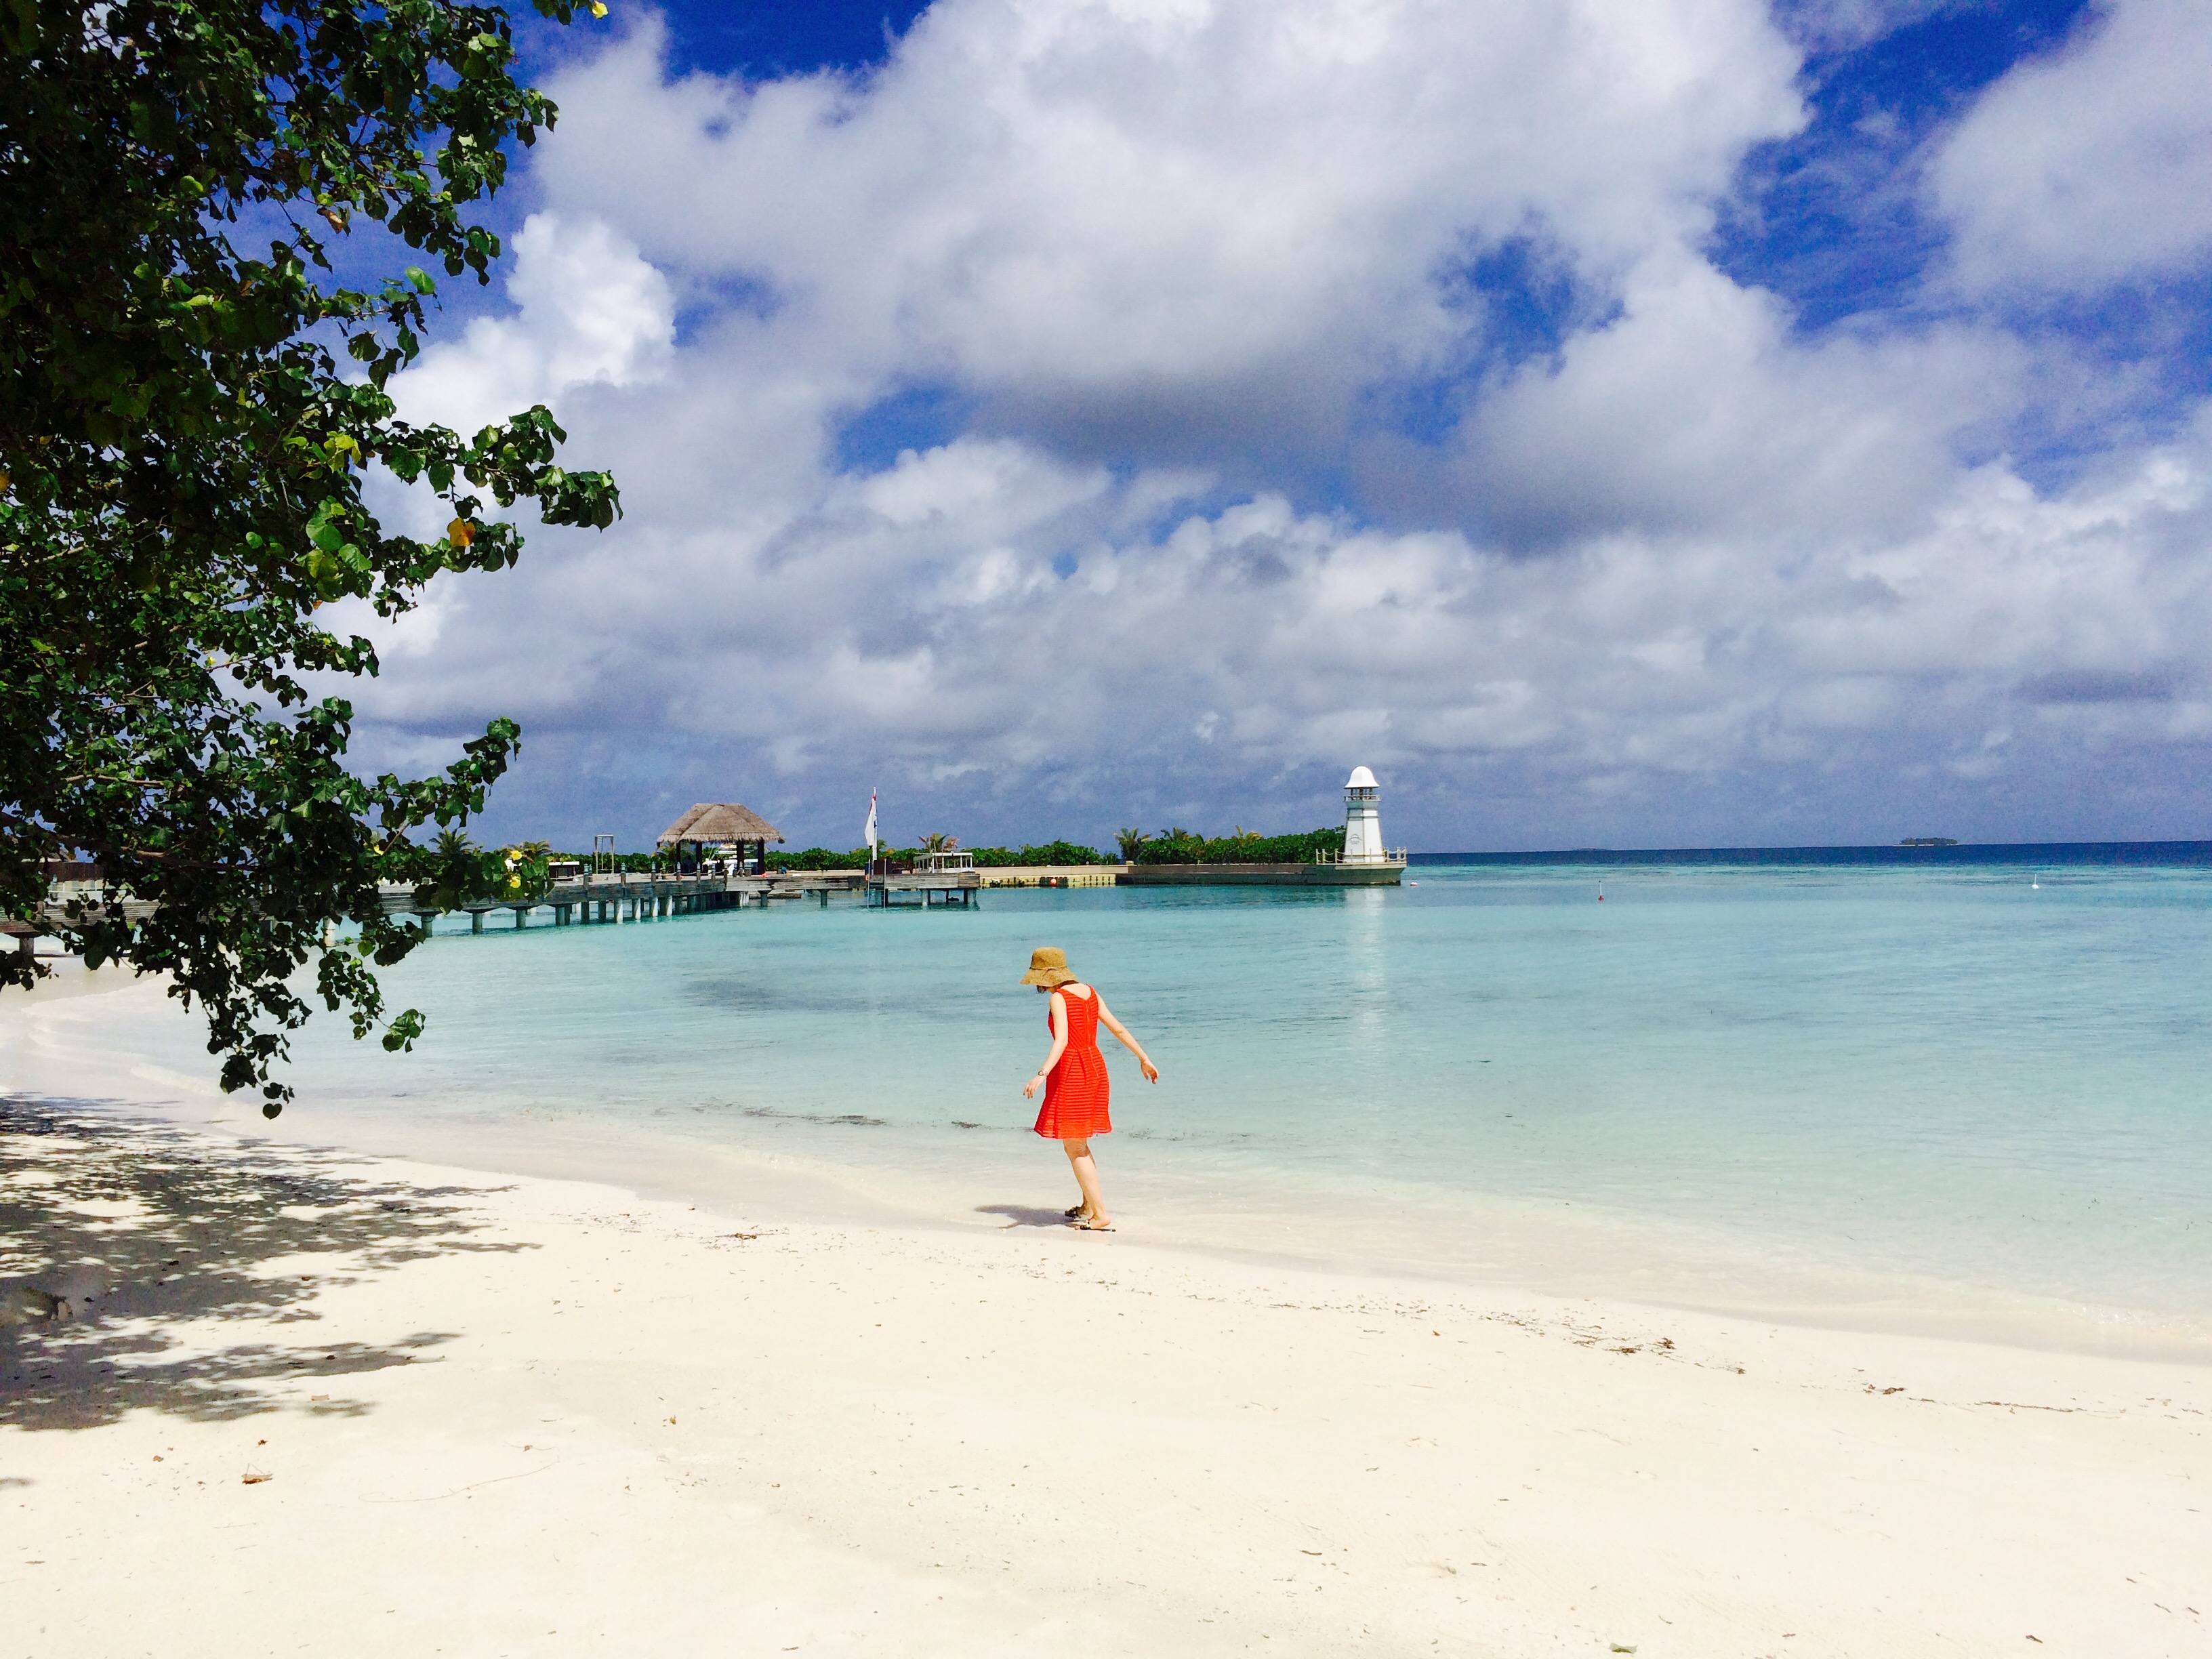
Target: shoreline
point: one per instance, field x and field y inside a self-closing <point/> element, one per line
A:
<point x="1601" y="1257"/>
<point x="663" y="1391"/>
<point x="838" y="1176"/>
<point x="647" y="1421"/>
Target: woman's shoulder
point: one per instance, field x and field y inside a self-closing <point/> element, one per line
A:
<point x="1076" y="988"/>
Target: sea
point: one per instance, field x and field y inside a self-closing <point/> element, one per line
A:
<point x="1960" y="1089"/>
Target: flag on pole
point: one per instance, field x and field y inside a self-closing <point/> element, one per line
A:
<point x="869" y="832"/>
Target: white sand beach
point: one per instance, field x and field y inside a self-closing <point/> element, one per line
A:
<point x="320" y="1402"/>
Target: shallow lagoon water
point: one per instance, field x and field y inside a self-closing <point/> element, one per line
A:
<point x="1970" y="1079"/>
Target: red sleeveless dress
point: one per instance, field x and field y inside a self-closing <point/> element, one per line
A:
<point x="1075" y="1090"/>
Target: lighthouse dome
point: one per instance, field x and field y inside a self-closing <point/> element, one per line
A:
<point x="1361" y="778"/>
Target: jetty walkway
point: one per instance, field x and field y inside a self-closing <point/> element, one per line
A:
<point x="638" y="896"/>
<point x="616" y="896"/>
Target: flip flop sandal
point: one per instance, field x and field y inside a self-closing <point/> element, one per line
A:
<point x="1083" y="1226"/>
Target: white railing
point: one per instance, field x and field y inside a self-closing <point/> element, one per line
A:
<point x="1391" y="856"/>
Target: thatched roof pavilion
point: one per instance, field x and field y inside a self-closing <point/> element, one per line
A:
<point x="720" y="823"/>
<point x="723" y="824"/>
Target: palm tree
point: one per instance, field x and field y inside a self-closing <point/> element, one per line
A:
<point x="936" y="841"/>
<point x="1132" y="843"/>
<point x="1179" y="846"/>
<point x="460" y="873"/>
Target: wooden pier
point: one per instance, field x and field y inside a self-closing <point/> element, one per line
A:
<point x="640" y="896"/>
<point x="610" y="897"/>
<point x="933" y="878"/>
<point x="937" y="882"/>
<point x="962" y="888"/>
<point x="921" y="888"/>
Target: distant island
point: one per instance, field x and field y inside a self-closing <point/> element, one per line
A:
<point x="1928" y="840"/>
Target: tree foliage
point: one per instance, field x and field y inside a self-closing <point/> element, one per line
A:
<point x="662" y="859"/>
<point x="466" y="873"/>
<point x="818" y="858"/>
<point x="188" y="402"/>
<point x="1045" y="852"/>
<point x="1177" y="846"/>
<point x="987" y="858"/>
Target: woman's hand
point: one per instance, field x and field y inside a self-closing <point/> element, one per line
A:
<point x="1151" y="1072"/>
<point x="1033" y="1085"/>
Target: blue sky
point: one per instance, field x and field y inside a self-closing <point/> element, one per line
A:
<point x="763" y="42"/>
<point x="1705" y="424"/>
<point x="1830" y="217"/>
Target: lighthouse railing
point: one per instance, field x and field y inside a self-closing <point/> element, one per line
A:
<point x="1388" y="855"/>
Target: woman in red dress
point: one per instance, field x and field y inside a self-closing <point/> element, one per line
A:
<point x="1073" y="1077"/>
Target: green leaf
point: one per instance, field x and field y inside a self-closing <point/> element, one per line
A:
<point x="183" y="461"/>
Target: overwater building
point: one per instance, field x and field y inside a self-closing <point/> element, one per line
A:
<point x="722" y="829"/>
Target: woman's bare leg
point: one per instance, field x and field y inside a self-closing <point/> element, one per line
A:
<point x="1086" y="1176"/>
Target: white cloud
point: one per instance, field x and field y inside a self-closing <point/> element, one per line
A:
<point x="1691" y="575"/>
<point x="1696" y="409"/>
<point x="1135" y="198"/>
<point x="1259" y="644"/>
<point x="589" y="311"/>
<point x="2092" y="166"/>
<point x="964" y="483"/>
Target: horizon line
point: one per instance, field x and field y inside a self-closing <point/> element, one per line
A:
<point x="1900" y="848"/>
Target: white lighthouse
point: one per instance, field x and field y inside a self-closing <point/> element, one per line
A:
<point x="1363" y="821"/>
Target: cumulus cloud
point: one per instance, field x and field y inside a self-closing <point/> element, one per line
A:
<point x="2092" y="166"/>
<point x="1696" y="408"/>
<point x="1257" y="459"/>
<point x="1262" y="645"/>
<point x="1102" y="212"/>
<point x="588" y="310"/>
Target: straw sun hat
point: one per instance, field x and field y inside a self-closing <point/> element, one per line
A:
<point x="1048" y="966"/>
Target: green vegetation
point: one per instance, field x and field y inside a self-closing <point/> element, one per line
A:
<point x="1245" y="847"/>
<point x="467" y="873"/>
<point x="631" y="863"/>
<point x="1052" y="851"/>
<point x="1168" y="847"/>
<point x="821" y="858"/>
<point x="185" y="419"/>
<point x="987" y="858"/>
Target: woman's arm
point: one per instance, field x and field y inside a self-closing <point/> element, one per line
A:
<point x="1144" y="1061"/>
<point x="1059" y="1044"/>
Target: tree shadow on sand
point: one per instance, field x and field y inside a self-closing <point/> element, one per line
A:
<point x="125" y="1246"/>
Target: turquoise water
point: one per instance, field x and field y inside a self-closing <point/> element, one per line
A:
<point x="1988" y="1077"/>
